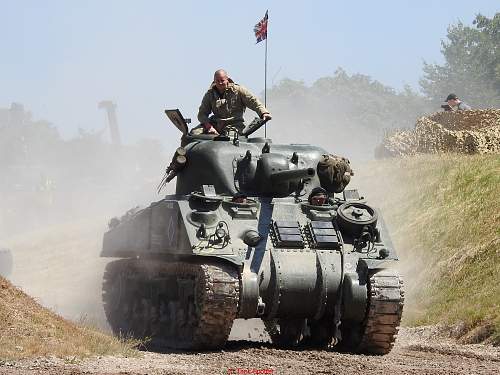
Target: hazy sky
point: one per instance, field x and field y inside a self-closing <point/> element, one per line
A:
<point x="59" y="58"/>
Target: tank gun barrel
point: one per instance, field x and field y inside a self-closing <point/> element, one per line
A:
<point x="292" y="175"/>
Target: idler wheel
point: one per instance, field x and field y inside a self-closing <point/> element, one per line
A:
<point x="353" y="216"/>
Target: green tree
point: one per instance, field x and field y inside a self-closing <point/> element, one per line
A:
<point x="344" y="113"/>
<point x="472" y="64"/>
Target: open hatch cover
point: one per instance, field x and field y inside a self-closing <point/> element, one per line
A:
<point x="178" y="120"/>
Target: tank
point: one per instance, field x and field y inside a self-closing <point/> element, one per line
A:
<point x="252" y="231"/>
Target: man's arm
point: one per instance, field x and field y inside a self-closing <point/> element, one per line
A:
<point x="252" y="102"/>
<point x="464" y="106"/>
<point x="205" y="109"/>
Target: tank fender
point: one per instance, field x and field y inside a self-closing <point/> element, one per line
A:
<point x="131" y="237"/>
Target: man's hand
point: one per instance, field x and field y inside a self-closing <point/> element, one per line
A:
<point x="209" y="129"/>
<point x="212" y="130"/>
<point x="266" y="117"/>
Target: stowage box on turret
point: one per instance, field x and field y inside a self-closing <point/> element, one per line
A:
<point x="254" y="230"/>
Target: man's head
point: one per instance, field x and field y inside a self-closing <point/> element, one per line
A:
<point x="318" y="197"/>
<point x="452" y="100"/>
<point x="221" y="80"/>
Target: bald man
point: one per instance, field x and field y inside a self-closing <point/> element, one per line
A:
<point x="227" y="101"/>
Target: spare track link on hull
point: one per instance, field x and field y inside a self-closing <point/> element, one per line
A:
<point x="383" y="315"/>
<point x="177" y="305"/>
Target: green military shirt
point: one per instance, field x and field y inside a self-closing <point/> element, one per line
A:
<point x="229" y="107"/>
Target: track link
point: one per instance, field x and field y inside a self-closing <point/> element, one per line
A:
<point x="221" y="296"/>
<point x="177" y="305"/>
<point x="384" y="311"/>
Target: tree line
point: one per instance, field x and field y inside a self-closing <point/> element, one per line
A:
<point x="351" y="112"/>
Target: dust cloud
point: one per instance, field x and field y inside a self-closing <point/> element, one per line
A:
<point x="58" y="195"/>
<point x="389" y="192"/>
<point x="345" y="114"/>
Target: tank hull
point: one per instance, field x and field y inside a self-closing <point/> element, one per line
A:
<point x="248" y="245"/>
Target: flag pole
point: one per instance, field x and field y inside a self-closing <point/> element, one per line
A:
<point x="260" y="30"/>
<point x="265" y="85"/>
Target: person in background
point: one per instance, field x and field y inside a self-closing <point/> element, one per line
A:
<point x="455" y="104"/>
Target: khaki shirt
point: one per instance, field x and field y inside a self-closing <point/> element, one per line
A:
<point x="229" y="108"/>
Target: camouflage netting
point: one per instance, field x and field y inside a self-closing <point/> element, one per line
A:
<point x="471" y="132"/>
<point x="334" y="173"/>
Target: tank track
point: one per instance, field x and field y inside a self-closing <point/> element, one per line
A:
<point x="171" y="304"/>
<point x="383" y="315"/>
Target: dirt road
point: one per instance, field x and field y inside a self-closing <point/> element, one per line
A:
<point x="418" y="351"/>
<point x="62" y="269"/>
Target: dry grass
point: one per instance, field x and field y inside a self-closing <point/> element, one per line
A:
<point x="444" y="214"/>
<point x="29" y="330"/>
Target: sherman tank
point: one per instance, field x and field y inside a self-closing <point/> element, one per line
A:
<point x="254" y="230"/>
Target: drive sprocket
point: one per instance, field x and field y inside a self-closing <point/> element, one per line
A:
<point x="377" y="333"/>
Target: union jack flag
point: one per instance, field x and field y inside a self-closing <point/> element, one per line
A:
<point x="260" y="29"/>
